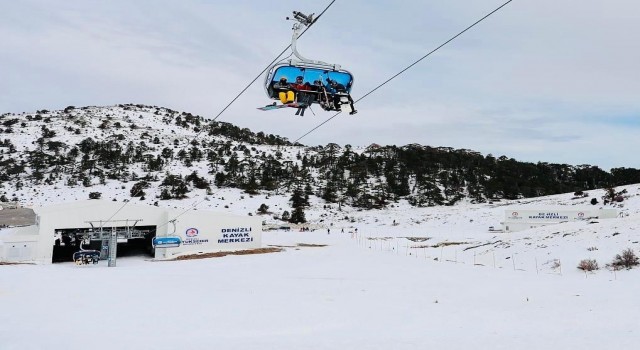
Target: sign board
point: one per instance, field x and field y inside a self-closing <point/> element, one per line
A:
<point x="166" y="242"/>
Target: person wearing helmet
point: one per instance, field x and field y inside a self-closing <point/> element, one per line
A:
<point x="338" y="90"/>
<point x="323" y="97"/>
<point x="304" y="98"/>
<point x="298" y="85"/>
<point x="286" y="93"/>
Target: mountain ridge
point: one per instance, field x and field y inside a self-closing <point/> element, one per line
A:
<point x="157" y="154"/>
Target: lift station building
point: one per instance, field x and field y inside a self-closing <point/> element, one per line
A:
<point x="62" y="229"/>
<point x="524" y="218"/>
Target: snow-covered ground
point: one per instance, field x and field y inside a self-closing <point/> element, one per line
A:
<point x="374" y="286"/>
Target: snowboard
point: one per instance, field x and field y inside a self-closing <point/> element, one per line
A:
<point x="275" y="106"/>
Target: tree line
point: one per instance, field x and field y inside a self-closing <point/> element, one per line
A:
<point x="239" y="158"/>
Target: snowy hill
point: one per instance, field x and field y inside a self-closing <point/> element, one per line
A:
<point x="138" y="132"/>
<point x="419" y="283"/>
<point x="156" y="155"/>
<point x="147" y="132"/>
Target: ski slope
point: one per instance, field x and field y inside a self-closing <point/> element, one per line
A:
<point x="383" y="287"/>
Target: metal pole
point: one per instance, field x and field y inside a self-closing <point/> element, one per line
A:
<point x="113" y="247"/>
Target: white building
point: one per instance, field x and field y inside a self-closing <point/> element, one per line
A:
<point x="62" y="227"/>
<point x="523" y="218"/>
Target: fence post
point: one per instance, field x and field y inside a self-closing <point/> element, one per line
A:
<point x="560" y="266"/>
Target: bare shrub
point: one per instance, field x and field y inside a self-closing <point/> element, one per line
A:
<point x="95" y="195"/>
<point x="264" y="209"/>
<point x="627" y="259"/>
<point x="588" y="265"/>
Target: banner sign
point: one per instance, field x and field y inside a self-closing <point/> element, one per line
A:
<point x="236" y="235"/>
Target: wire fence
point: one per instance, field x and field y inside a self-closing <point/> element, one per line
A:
<point x="454" y="253"/>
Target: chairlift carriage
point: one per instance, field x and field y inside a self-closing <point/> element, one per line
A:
<point x="321" y="83"/>
<point x="85" y="257"/>
<point x="171" y="240"/>
<point x="166" y="242"/>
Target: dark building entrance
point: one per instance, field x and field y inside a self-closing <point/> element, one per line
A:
<point x="130" y="241"/>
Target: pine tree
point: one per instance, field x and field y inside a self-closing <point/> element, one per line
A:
<point x="137" y="190"/>
<point x="297" y="216"/>
<point x="329" y="193"/>
<point x="298" y="199"/>
<point x="298" y="202"/>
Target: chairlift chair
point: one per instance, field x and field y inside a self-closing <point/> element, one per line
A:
<point x="169" y="241"/>
<point x="312" y="72"/>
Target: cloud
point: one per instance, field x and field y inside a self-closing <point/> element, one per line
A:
<point x="537" y="81"/>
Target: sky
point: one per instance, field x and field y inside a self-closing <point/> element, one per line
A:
<point x="551" y="81"/>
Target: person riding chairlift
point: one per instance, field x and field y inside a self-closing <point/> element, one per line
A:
<point x="323" y="98"/>
<point x="299" y="85"/>
<point x="304" y="98"/>
<point x="336" y="88"/>
<point x="286" y="93"/>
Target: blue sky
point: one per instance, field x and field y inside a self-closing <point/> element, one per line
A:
<point x="553" y="81"/>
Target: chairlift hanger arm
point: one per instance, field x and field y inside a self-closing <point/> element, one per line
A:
<point x="174" y="227"/>
<point x="302" y="22"/>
